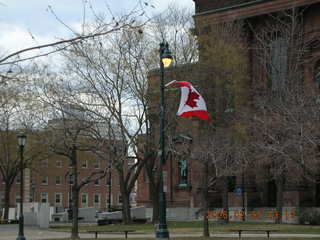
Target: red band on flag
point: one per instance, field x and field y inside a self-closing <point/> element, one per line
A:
<point x="203" y="115"/>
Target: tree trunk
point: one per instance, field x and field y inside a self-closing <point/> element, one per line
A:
<point x="280" y="186"/>
<point x="155" y="209"/>
<point x="204" y="197"/>
<point x="75" y="214"/>
<point x="125" y="195"/>
<point x="226" y="202"/>
<point x="243" y="196"/>
<point x="75" y="196"/>
<point x="6" y="201"/>
<point x="206" y="232"/>
<point x="154" y="194"/>
<point x="126" y="213"/>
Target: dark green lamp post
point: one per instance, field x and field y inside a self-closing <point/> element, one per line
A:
<point x="110" y="187"/>
<point x="165" y="61"/>
<point x="22" y="139"/>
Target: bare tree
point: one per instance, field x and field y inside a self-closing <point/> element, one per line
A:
<point x="284" y="122"/>
<point x="222" y="145"/>
<point x="112" y="77"/>
<point x="218" y="158"/>
<point x="174" y="26"/>
<point x="286" y="141"/>
<point x="67" y="130"/>
<point x="16" y="116"/>
<point x="102" y="26"/>
<point x="68" y="136"/>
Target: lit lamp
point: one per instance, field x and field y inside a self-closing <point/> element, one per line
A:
<point x="22" y="139"/>
<point x="165" y="54"/>
<point x="165" y="61"/>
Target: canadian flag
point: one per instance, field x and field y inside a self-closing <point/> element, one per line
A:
<point x="192" y="103"/>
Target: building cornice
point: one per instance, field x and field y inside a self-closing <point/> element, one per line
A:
<point x="250" y="9"/>
<point x="246" y="4"/>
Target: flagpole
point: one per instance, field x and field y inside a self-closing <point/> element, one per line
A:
<point x="162" y="232"/>
<point x="170" y="83"/>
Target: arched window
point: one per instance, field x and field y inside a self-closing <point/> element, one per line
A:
<point x="272" y="193"/>
<point x="278" y="64"/>
<point x="316" y="74"/>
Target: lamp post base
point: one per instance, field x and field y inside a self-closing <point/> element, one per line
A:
<point x="162" y="232"/>
<point x="21" y="238"/>
<point x="243" y="214"/>
<point x="21" y="227"/>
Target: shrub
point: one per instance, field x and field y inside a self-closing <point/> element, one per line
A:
<point x="312" y="218"/>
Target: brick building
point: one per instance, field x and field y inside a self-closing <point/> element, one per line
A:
<point x="183" y="191"/>
<point x="50" y="181"/>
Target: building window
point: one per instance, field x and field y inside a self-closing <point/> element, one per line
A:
<point x="278" y="64"/>
<point x="44" y="163"/>
<point x="17" y="197"/>
<point x="44" y="180"/>
<point x="97" y="163"/>
<point x="97" y="182"/>
<point x="70" y="163"/>
<point x="58" y="198"/>
<point x="58" y="180"/>
<point x="96" y="200"/>
<point x="71" y="179"/>
<point x="145" y="176"/>
<point x="84" y="164"/>
<point x="231" y="182"/>
<point x="119" y="199"/>
<point x="1" y="198"/>
<point x="70" y="199"/>
<point x="18" y="179"/>
<point x="109" y="180"/>
<point x="228" y="97"/>
<point x="33" y="192"/>
<point x="84" y="199"/>
<point x="44" y="197"/>
<point x="317" y="74"/>
<point x="59" y="163"/>
<point x="271" y="194"/>
<point x="109" y="199"/>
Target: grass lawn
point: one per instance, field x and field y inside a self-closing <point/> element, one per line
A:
<point x="197" y="238"/>
<point x="196" y="227"/>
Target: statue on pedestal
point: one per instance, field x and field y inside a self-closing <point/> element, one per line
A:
<point x="183" y="165"/>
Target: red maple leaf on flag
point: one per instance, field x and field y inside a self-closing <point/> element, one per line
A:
<point x="192" y="96"/>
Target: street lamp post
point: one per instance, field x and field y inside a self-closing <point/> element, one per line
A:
<point x="165" y="61"/>
<point x="22" y="138"/>
<point x="243" y="198"/>
<point x="109" y="187"/>
<point x="68" y="180"/>
<point x="70" y="210"/>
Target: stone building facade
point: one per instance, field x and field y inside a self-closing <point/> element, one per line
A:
<point x="183" y="192"/>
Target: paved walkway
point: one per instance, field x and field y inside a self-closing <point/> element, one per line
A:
<point x="10" y="232"/>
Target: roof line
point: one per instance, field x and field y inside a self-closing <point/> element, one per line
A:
<point x="231" y="7"/>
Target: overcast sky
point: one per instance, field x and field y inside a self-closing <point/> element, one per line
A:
<point x="28" y="23"/>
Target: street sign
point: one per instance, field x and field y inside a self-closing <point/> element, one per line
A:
<point x="238" y="191"/>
